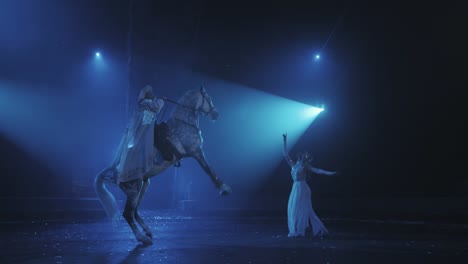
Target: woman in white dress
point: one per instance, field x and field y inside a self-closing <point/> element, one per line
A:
<point x="135" y="155"/>
<point x="300" y="212"/>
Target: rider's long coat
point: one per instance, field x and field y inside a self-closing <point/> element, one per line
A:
<point x="135" y="154"/>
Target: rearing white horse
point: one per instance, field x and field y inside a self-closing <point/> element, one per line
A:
<point x="183" y="136"/>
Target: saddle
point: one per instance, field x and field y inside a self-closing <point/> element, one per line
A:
<point x="161" y="142"/>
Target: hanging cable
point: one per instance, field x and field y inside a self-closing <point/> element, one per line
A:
<point x="195" y="31"/>
<point x="338" y="22"/>
<point x="129" y="56"/>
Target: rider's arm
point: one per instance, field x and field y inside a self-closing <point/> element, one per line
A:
<point x="151" y="104"/>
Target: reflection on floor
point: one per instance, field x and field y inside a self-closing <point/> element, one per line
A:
<point x="181" y="237"/>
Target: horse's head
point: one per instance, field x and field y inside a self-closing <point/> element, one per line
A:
<point x="206" y="106"/>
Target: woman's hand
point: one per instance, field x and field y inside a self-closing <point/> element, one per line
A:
<point x="225" y="189"/>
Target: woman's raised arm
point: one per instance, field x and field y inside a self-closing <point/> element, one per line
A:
<point x="285" y="150"/>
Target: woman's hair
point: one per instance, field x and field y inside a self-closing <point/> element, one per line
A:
<point x="305" y="156"/>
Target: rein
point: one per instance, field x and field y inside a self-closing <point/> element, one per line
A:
<point x="179" y="104"/>
<point x="188" y="107"/>
<point x="176" y="103"/>
<point x="182" y="105"/>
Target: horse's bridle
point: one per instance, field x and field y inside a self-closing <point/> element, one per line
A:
<point x="203" y="102"/>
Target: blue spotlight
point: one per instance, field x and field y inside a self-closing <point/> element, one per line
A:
<point x="312" y="112"/>
<point x="317" y="57"/>
<point x="99" y="62"/>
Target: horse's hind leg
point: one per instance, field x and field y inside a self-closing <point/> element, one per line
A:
<point x="132" y="190"/>
<point x="142" y="223"/>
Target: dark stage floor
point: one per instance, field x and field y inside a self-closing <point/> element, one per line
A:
<point x="210" y="238"/>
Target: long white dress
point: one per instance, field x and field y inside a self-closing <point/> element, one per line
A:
<point x="135" y="155"/>
<point x="300" y="212"/>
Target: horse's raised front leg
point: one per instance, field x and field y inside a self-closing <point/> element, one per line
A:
<point x="132" y="190"/>
<point x="146" y="183"/>
<point x="199" y="156"/>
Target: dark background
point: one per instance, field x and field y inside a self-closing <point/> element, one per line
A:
<point x="392" y="75"/>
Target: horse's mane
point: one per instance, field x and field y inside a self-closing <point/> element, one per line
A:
<point x="188" y="98"/>
<point x="186" y="103"/>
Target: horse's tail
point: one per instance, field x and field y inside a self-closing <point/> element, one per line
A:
<point x="107" y="198"/>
